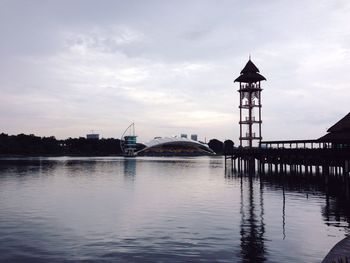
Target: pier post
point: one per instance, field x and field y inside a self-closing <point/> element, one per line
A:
<point x="251" y="164"/>
<point x="263" y="167"/>
<point x="325" y="169"/>
<point x="346" y="168"/>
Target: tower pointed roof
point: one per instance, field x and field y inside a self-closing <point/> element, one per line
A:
<point x="250" y="74"/>
<point x="249" y="68"/>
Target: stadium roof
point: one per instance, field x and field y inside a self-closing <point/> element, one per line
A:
<point x="176" y="141"/>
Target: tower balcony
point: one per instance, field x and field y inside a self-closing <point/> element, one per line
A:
<point x="247" y="88"/>
<point x="246" y="105"/>
<point x="249" y="138"/>
<point x="252" y="136"/>
<point x="250" y="121"/>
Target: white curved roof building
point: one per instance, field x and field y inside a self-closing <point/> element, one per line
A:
<point x="170" y="146"/>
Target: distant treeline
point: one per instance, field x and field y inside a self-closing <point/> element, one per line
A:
<point x="23" y="144"/>
<point x="31" y="145"/>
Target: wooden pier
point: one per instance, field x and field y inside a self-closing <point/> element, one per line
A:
<point x="294" y="156"/>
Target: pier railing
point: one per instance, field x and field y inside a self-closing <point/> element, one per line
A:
<point x="296" y="144"/>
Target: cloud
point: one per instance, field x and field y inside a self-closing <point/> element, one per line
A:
<point x="69" y="67"/>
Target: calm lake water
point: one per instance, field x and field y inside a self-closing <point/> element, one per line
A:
<point x="163" y="210"/>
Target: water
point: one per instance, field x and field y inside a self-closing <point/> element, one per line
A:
<point x="163" y="210"/>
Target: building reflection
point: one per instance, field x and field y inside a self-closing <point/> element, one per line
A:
<point x="336" y="210"/>
<point x="334" y="191"/>
<point x="130" y="168"/>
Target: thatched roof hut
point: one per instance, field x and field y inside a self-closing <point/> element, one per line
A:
<point x="339" y="132"/>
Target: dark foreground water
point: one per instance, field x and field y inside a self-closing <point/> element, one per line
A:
<point x="163" y="210"/>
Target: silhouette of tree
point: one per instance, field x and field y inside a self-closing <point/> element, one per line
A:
<point x="216" y="145"/>
<point x="228" y="146"/>
<point x="31" y="145"/>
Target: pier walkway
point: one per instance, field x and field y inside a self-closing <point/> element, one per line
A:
<point x="299" y="156"/>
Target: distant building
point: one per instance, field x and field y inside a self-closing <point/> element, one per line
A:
<point x="183" y="135"/>
<point x="130" y="145"/>
<point x="93" y="136"/>
<point x="175" y="147"/>
<point x="194" y="137"/>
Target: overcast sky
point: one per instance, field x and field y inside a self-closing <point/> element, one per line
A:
<point x="68" y="67"/>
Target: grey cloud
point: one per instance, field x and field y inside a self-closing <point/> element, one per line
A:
<point x="77" y="64"/>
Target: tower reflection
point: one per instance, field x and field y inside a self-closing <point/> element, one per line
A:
<point x="332" y="192"/>
<point x="252" y="228"/>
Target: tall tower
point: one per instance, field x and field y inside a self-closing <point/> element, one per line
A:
<point x="250" y="99"/>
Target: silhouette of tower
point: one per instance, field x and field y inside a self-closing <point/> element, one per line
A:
<point x="250" y="98"/>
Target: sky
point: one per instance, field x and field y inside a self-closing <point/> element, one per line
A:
<point x="69" y="67"/>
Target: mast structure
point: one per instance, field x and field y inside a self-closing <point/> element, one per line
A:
<point x="128" y="142"/>
<point x="249" y="101"/>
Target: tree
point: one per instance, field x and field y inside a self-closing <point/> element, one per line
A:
<point x="216" y="145"/>
<point x="228" y="146"/>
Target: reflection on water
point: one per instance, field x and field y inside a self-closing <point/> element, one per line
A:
<point x="252" y="223"/>
<point x="284" y="212"/>
<point x="130" y="168"/>
<point x="164" y="209"/>
<point x="333" y="192"/>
